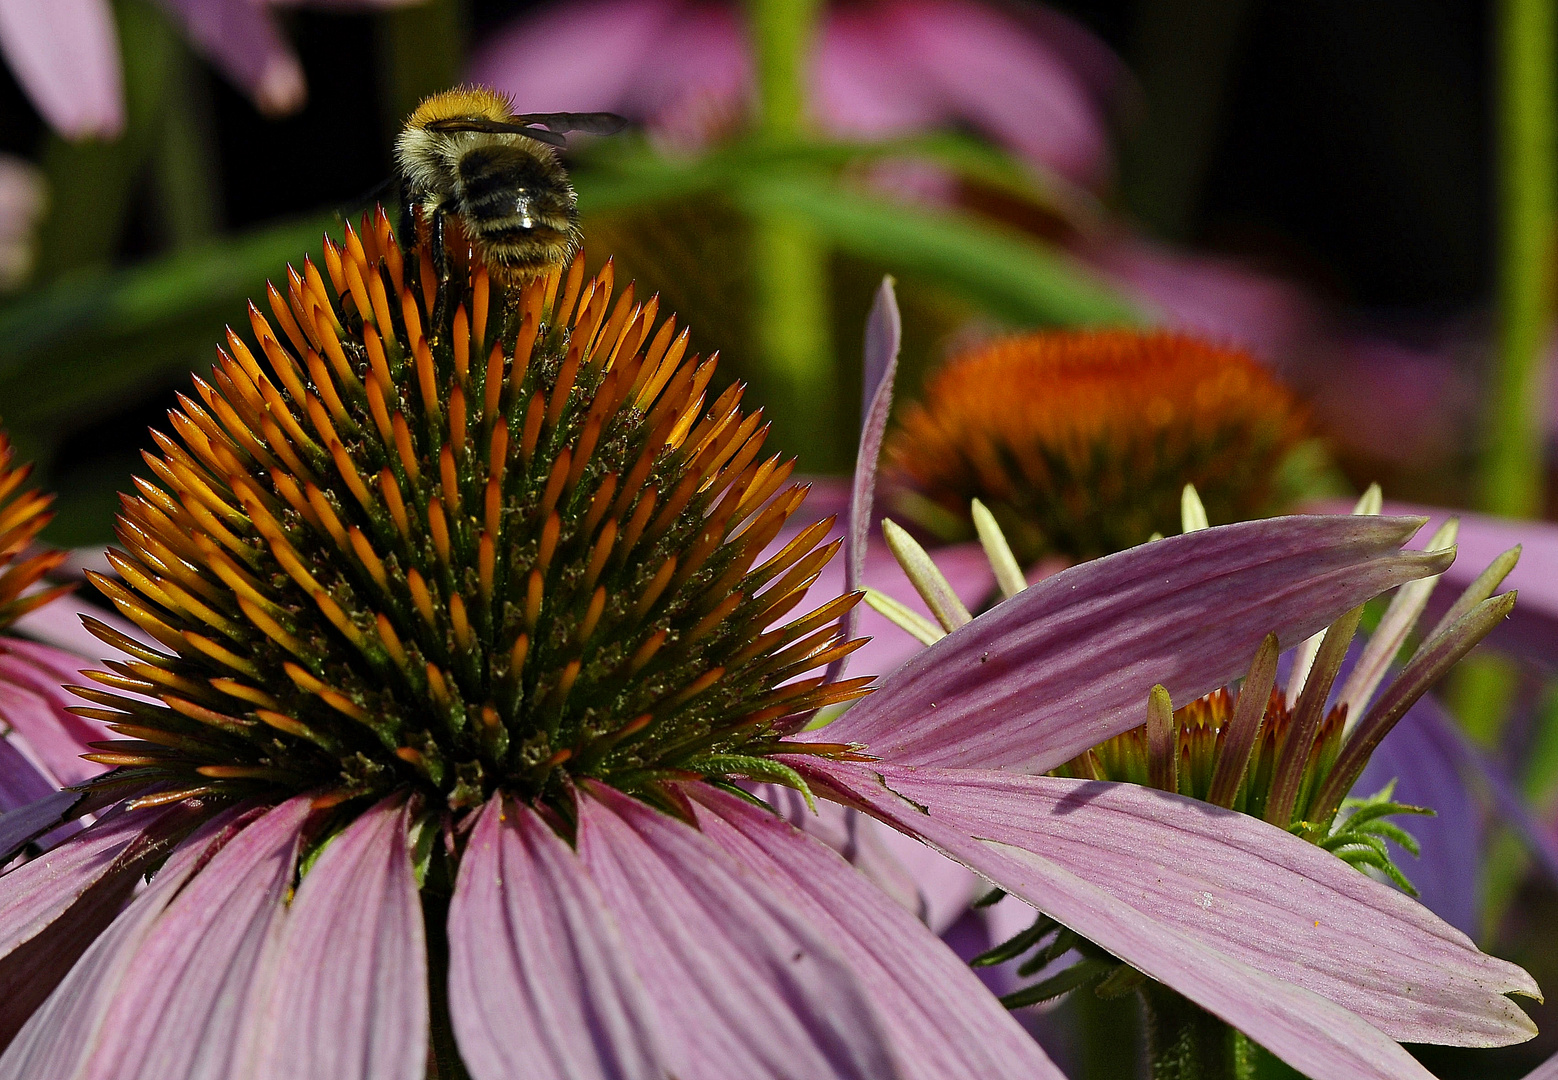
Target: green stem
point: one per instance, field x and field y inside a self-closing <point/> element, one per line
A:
<point x="1185" y="1042"/>
<point x="790" y="262"/>
<point x="443" y="1055"/>
<point x="790" y="269"/>
<point x="184" y="166"/>
<point x="782" y="34"/>
<point x="1109" y="1034"/>
<point x="1512" y="479"/>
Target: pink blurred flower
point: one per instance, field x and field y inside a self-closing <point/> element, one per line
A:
<point x="65" y="54"/>
<point x="1039" y="84"/>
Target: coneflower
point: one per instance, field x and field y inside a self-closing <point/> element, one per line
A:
<point x="1080" y="442"/>
<point x="468" y="642"/>
<point x="40" y="740"/>
<point x="515" y="552"/>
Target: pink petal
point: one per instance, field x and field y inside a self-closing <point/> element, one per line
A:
<point x="1547" y="1070"/>
<point x="182" y="1005"/>
<point x="860" y="85"/>
<point x="939" y="1015"/>
<point x="59" y="1038"/>
<point x="919" y="879"/>
<point x="21" y="825"/>
<point x="33" y="701"/>
<point x="1532" y="630"/>
<point x="539" y="981"/>
<point x="884" y="331"/>
<point x="577" y="56"/>
<point x="743" y="984"/>
<point x="348" y="992"/>
<point x="1003" y="80"/>
<point x="1295" y="947"/>
<point x="58" y="623"/>
<point x="53" y="906"/>
<point x="1068" y="662"/>
<point x="23" y="784"/>
<point x="244" y="43"/>
<point x="65" y="53"/>
<point x="856" y="837"/>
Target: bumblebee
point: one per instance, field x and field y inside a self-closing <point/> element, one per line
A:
<point x="466" y="152"/>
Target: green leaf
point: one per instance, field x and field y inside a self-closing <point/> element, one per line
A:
<point x="757" y="768"/>
<point x="95" y="337"/>
<point x="1077" y="975"/>
<point x="1006" y="272"/>
<point x="1016" y="945"/>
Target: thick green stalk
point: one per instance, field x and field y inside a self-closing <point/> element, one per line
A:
<point x="184" y="163"/>
<point x="1512" y="479"/>
<point x="1513" y="473"/>
<point x="790" y="264"/>
<point x="783" y="33"/>
<point x="1185" y="1042"/>
<point x="443" y="1054"/>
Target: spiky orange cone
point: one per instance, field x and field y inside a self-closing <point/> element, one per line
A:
<point x="483" y="555"/>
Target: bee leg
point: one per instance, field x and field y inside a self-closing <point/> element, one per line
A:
<point x="435" y="236"/>
<point x="408" y="219"/>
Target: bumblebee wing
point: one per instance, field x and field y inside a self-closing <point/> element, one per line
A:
<point x="479" y="123"/>
<point x="591" y="123"/>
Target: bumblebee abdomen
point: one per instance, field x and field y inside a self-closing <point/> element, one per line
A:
<point x="502" y="186"/>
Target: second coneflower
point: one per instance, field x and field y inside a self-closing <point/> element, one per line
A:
<point x="468" y="636"/>
<point x="1081" y="442"/>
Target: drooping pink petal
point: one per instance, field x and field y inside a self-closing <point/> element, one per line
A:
<point x="884" y="330"/>
<point x="1317" y="962"/>
<point x="53" y="906"/>
<point x="21" y="825"/>
<point x="743" y="985"/>
<point x="940" y="1017"/>
<point x="1068" y="662"/>
<point x="65" y="54"/>
<point x="182" y="1004"/>
<point x="347" y="998"/>
<point x="241" y="39"/>
<point x="540" y="986"/>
